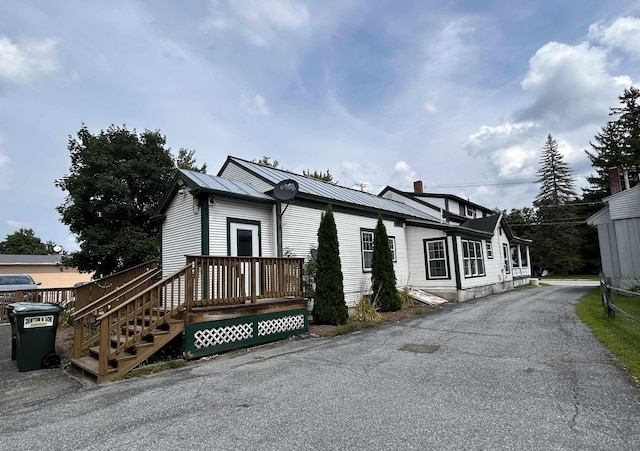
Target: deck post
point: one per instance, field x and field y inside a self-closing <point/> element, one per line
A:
<point x="253" y="278"/>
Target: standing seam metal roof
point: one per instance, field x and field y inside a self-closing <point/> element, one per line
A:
<point x="331" y="192"/>
<point x="224" y="185"/>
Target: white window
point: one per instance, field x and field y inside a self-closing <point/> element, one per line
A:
<point x="505" y="255"/>
<point x="392" y="246"/>
<point x="470" y="212"/>
<point x="489" y="250"/>
<point x="366" y="238"/>
<point x="367" y="242"/>
<point x="472" y="258"/>
<point x="436" y="257"/>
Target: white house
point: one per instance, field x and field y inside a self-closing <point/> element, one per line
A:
<point x="247" y="210"/>
<point x="618" y="225"/>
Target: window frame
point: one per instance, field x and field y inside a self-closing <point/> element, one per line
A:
<point x="506" y="255"/>
<point x="363" y="251"/>
<point x="489" y="246"/>
<point x="445" y="258"/>
<point x="473" y="259"/>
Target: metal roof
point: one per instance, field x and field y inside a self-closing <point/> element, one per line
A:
<point x="333" y="193"/>
<point x="222" y="185"/>
<point x="19" y="259"/>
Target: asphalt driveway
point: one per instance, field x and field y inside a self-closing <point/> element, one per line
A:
<point x="513" y="371"/>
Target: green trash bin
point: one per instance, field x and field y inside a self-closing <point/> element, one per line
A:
<point x="33" y="342"/>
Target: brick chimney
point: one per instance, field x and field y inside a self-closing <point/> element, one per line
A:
<point x="614" y="180"/>
<point x="417" y="187"/>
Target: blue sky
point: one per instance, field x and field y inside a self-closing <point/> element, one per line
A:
<point x="458" y="94"/>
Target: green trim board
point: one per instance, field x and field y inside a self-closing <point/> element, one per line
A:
<point x="247" y="222"/>
<point x="212" y="337"/>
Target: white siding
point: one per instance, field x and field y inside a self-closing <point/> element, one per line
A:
<point x="300" y="234"/>
<point x="239" y="209"/>
<point x="417" y="276"/>
<point x="627" y="233"/>
<point x="625" y="204"/>
<point x="180" y="233"/>
<point x="234" y="172"/>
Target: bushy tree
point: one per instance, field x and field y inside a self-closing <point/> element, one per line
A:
<point x="383" y="276"/>
<point x="329" y="306"/>
<point x="25" y="242"/>
<point x="115" y="182"/>
<point x="557" y="243"/>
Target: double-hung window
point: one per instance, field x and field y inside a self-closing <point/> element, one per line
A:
<point x="366" y="238"/>
<point x="472" y="258"/>
<point x="436" y="258"/>
<point x="367" y="243"/>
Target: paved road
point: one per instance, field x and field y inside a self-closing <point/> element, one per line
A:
<point x="513" y="371"/>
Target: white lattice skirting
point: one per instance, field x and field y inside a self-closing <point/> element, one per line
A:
<point x="205" y="338"/>
<point x="278" y="325"/>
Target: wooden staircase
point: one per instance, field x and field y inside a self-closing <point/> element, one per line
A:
<point x="120" y="363"/>
<point x="118" y="332"/>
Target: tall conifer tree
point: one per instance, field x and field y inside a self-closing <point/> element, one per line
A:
<point x="329" y="306"/>
<point x="383" y="276"/>
<point x="556" y="239"/>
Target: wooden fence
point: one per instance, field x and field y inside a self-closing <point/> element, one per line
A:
<point x="608" y="292"/>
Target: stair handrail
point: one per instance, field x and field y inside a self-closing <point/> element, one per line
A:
<point x="82" y="318"/>
<point x="124" y="314"/>
<point x="118" y="292"/>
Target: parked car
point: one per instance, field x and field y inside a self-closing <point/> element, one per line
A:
<point x="10" y="283"/>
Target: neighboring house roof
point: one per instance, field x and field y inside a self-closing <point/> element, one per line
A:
<point x="319" y="190"/>
<point x="18" y="259"/>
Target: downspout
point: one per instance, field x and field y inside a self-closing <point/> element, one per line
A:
<point x="279" y="228"/>
<point x="456" y="262"/>
<point x="203" y="200"/>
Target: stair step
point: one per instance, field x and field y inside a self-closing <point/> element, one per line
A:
<point x="95" y="353"/>
<point x="91" y="365"/>
<point x="138" y="344"/>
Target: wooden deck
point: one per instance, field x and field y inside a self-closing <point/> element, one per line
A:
<point x="216" y="303"/>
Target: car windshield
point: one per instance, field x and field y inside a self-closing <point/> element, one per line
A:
<point x="15" y="280"/>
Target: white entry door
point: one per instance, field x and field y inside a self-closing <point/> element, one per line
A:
<point x="244" y="240"/>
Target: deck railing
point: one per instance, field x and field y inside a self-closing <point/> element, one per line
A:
<point x="240" y="280"/>
<point x="120" y="321"/>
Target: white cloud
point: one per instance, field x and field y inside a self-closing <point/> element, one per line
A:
<point x="18" y="225"/>
<point x="571" y="85"/>
<point x="403" y="174"/>
<point x="256" y="105"/>
<point x="5" y="169"/>
<point x="21" y="61"/>
<point x="488" y="138"/>
<point x="259" y="20"/>
<point x="623" y="34"/>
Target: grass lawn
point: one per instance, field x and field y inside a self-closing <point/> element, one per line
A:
<point x="621" y="335"/>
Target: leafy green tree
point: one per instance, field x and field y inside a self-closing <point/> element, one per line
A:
<point x="557" y="245"/>
<point x="114" y="184"/>
<point x="186" y="160"/>
<point x="25" y="242"/>
<point x="383" y="276"/>
<point x="329" y="306"/>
